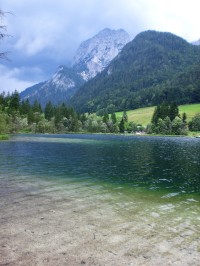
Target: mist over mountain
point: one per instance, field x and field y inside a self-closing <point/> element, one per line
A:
<point x="91" y="58"/>
<point x="197" y="42"/>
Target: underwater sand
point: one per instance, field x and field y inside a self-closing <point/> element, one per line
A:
<point x="53" y="218"/>
<point x="43" y="223"/>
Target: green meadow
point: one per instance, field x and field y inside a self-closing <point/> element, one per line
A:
<point x="143" y="115"/>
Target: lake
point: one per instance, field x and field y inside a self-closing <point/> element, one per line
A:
<point x="99" y="199"/>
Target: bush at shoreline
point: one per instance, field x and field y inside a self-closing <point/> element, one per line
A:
<point x="4" y="137"/>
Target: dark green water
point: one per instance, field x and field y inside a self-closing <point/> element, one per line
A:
<point x="168" y="166"/>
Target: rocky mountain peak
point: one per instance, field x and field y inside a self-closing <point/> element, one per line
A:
<point x="91" y="58"/>
<point x="96" y="53"/>
<point x="63" y="79"/>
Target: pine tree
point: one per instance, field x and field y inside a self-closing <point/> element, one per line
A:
<point x="122" y="126"/>
<point x="114" y="118"/>
<point x="156" y="115"/>
<point x="25" y="107"/>
<point x="173" y="111"/>
<point x="184" y="117"/>
<point x="105" y="118"/>
<point x="49" y="111"/>
<point x="14" y="102"/>
<point x="164" y="110"/>
<point x="58" y="115"/>
<point x="125" y="117"/>
<point x="37" y="107"/>
<point x="31" y="117"/>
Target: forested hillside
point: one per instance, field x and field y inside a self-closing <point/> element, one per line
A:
<point x="155" y="67"/>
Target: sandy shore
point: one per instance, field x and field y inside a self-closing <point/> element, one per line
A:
<point x="56" y="224"/>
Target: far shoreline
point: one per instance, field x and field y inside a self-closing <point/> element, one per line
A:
<point x="4" y="137"/>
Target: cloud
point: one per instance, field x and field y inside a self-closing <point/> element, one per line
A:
<point x="47" y="33"/>
<point x="176" y="16"/>
<point x="13" y="79"/>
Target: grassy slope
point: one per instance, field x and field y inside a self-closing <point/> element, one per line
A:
<point x="143" y="115"/>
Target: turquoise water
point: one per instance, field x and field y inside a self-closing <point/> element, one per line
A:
<point x="139" y="195"/>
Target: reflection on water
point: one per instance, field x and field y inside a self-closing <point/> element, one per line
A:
<point x="157" y="164"/>
<point x="145" y="167"/>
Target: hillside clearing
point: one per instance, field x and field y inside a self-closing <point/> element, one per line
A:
<point x="143" y="115"/>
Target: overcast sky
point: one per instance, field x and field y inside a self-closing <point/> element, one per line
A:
<point x="46" y="33"/>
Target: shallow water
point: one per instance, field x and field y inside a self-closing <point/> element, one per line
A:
<point x="149" y="186"/>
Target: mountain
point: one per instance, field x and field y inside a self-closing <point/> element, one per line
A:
<point x="59" y="88"/>
<point x="91" y="58"/>
<point x="154" y="67"/>
<point x="96" y="53"/>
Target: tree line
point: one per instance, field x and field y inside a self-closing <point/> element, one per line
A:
<point x="18" y="116"/>
<point x="21" y="116"/>
<point x="167" y="120"/>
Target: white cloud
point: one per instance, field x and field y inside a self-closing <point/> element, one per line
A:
<point x="47" y="33"/>
<point x="13" y="79"/>
<point x="39" y="25"/>
<point x="32" y="45"/>
<point x="176" y="16"/>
